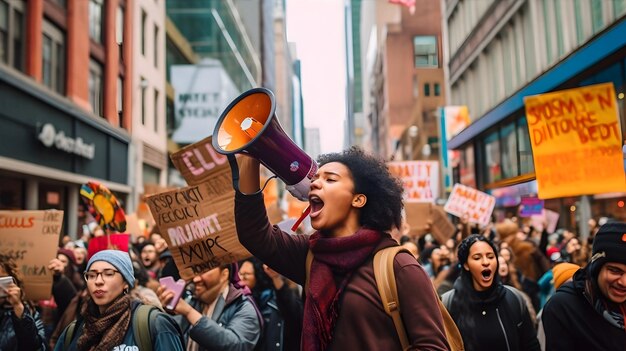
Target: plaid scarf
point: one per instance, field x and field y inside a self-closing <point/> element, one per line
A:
<point x="332" y="256"/>
<point x="105" y="331"/>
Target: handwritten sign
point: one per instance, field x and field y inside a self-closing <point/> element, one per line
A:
<point x="569" y="129"/>
<point x="31" y="239"/>
<point x="419" y="178"/>
<point x="198" y="222"/>
<point x="530" y="206"/>
<point x="468" y="201"/>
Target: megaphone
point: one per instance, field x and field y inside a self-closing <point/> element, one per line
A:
<point x="249" y="126"/>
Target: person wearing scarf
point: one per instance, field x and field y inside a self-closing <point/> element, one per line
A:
<point x="354" y="203"/>
<point x="105" y="319"/>
<point x="489" y="315"/>
<point x="588" y="313"/>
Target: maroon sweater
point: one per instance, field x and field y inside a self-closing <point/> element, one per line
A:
<point x="363" y="323"/>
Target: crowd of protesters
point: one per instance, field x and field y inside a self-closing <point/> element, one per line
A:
<point x="507" y="285"/>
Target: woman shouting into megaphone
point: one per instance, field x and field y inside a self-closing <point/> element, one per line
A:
<point x="354" y="203"/>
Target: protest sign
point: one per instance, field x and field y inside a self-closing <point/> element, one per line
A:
<point x="576" y="141"/>
<point x="465" y="200"/>
<point x="420" y="179"/>
<point x="547" y="218"/>
<point x="530" y="206"/>
<point x="31" y="238"/>
<point x="418" y="217"/>
<point x="108" y="242"/>
<point x="199" y="163"/>
<point x="441" y="228"/>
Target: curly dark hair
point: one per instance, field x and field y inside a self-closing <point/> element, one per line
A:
<point x="10" y="267"/>
<point x="383" y="209"/>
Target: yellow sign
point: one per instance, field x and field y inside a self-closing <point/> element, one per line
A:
<point x="576" y="141"/>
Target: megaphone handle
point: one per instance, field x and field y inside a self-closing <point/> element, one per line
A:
<point x="234" y="169"/>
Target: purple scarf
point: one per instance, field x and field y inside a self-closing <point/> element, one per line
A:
<point x="341" y="256"/>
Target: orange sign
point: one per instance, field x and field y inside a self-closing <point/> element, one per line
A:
<point x="576" y="141"/>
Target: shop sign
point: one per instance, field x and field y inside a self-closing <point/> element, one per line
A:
<point x="50" y="137"/>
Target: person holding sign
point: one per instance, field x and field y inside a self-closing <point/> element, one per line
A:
<point x="20" y="326"/>
<point x="354" y="202"/>
<point x="107" y="320"/>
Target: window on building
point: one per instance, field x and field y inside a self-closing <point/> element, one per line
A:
<point x="156" y="110"/>
<point x="53" y="58"/>
<point x="619" y="8"/>
<point x="12" y="33"/>
<point x="437" y="89"/>
<point x="525" y="151"/>
<point x="156" y="46"/>
<point x="508" y="135"/>
<point x="597" y="22"/>
<point x="144" y="87"/>
<point x="96" y="87"/>
<point x="493" y="167"/>
<point x="95" y="20"/>
<point x="119" y="30"/>
<point x="150" y="174"/>
<point x="425" y="51"/>
<point x="426" y="89"/>
<point x="120" y="101"/>
<point x="170" y="122"/>
<point x="144" y="19"/>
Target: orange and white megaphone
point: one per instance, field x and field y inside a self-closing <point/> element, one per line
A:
<point x="249" y="126"/>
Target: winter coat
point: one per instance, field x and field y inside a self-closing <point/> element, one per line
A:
<point x="234" y="325"/>
<point x="25" y="334"/>
<point x="165" y="334"/>
<point x="362" y="323"/>
<point x="570" y="322"/>
<point x="500" y="317"/>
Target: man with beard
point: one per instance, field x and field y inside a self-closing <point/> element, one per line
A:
<point x="588" y="313"/>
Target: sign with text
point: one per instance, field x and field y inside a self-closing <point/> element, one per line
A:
<point x="419" y="178"/>
<point x="576" y="141"/>
<point x="31" y="238"/>
<point x="477" y="205"/>
<point x="530" y="206"/>
<point x="199" y="163"/>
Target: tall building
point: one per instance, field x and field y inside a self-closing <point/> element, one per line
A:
<point x="502" y="51"/>
<point x="65" y="90"/>
<point x="402" y="78"/>
<point x="149" y="157"/>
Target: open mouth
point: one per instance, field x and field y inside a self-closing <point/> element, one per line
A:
<point x="316" y="205"/>
<point x="486" y="274"/>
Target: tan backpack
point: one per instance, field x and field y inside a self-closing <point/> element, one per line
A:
<point x="386" y="282"/>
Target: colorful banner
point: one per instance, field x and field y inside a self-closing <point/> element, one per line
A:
<point x="419" y="178"/>
<point x="31" y="238"/>
<point x="198" y="222"/>
<point x="468" y="201"/>
<point x="576" y="141"/>
<point x="456" y="118"/>
<point x="530" y="206"/>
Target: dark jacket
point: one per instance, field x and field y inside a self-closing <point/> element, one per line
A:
<point x="501" y="320"/>
<point x="234" y="324"/>
<point x="25" y="334"/>
<point x="570" y="322"/>
<point x="164" y="331"/>
<point x="362" y="323"/>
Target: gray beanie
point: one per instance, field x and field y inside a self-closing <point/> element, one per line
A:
<point x="119" y="260"/>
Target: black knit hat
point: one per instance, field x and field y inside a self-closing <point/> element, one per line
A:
<point x="609" y="245"/>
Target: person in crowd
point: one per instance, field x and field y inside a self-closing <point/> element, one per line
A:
<point x="80" y="254"/>
<point x="20" y="326"/>
<point x="489" y="315"/>
<point x="68" y="259"/>
<point x="221" y="314"/>
<point x="354" y="203"/>
<point x="290" y="305"/>
<point x="412" y="247"/>
<point x="106" y="319"/>
<point x="572" y="252"/>
<point x="150" y="258"/>
<point x="588" y="312"/>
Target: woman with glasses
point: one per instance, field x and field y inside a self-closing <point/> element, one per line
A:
<point x="106" y="320"/>
<point x="20" y="326"/>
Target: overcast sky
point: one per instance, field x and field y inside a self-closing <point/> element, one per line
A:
<point x="317" y="29"/>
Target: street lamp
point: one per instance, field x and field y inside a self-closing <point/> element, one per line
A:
<point x="413" y="131"/>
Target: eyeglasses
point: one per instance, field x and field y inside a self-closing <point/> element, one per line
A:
<point x="107" y="274"/>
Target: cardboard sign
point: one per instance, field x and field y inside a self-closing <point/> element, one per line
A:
<point x="468" y="201"/>
<point x="530" y="206"/>
<point x="548" y="218"/>
<point x="108" y="242"/>
<point x="441" y="229"/>
<point x="570" y="128"/>
<point x="418" y="217"/>
<point x="419" y="178"/>
<point x="199" y="162"/>
<point x="31" y="238"/>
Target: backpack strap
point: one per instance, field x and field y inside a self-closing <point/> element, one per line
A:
<point x="386" y="282"/>
<point x="446" y="299"/>
<point x="519" y="298"/>
<point x="69" y="335"/>
<point x="141" y="326"/>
